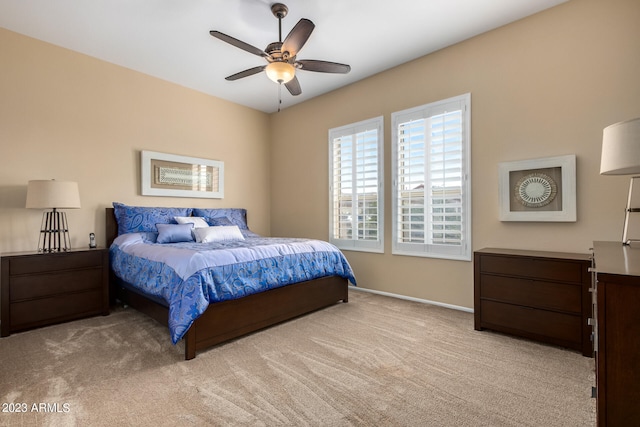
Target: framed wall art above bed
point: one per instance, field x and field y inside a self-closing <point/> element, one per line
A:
<point x="538" y="190"/>
<point x="181" y="176"/>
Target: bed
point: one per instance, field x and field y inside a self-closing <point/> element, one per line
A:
<point x="224" y="316"/>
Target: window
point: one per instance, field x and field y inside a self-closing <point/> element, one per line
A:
<point x="356" y="187"/>
<point x="431" y="180"/>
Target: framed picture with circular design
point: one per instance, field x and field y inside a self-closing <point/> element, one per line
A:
<point x="538" y="189"/>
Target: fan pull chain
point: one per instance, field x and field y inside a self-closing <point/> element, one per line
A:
<point x="279" y="95"/>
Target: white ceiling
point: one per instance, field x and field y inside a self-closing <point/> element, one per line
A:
<point x="170" y="39"/>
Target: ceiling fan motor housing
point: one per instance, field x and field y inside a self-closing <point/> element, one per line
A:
<point x="275" y="51"/>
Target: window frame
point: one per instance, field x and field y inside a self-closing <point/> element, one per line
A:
<point x="356" y="244"/>
<point x="455" y="252"/>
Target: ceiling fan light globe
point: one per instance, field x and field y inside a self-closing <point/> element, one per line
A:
<point x="281" y="72"/>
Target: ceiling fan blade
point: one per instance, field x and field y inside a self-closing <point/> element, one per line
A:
<point x="293" y="86"/>
<point x="323" y="66"/>
<point x="245" y="73"/>
<point x="239" y="44"/>
<point x="297" y="37"/>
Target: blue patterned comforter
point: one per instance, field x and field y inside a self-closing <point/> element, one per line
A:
<point x="190" y="276"/>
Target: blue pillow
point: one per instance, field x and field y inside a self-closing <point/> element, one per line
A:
<point x="134" y="219"/>
<point x="217" y="222"/>
<point x="174" y="233"/>
<point x="236" y="216"/>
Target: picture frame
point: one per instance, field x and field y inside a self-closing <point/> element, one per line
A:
<point x="538" y="189"/>
<point x="173" y="175"/>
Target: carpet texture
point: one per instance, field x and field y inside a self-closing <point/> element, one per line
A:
<point x="375" y="361"/>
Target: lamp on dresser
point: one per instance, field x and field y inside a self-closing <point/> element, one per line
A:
<point x="621" y="156"/>
<point x="54" y="195"/>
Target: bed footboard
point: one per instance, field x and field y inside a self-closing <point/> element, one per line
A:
<point x="232" y="319"/>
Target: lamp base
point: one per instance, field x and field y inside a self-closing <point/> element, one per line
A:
<point x="54" y="233"/>
<point x="629" y="210"/>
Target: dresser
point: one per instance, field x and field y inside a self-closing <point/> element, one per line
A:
<point x="543" y="296"/>
<point x="617" y="333"/>
<point x="40" y="289"/>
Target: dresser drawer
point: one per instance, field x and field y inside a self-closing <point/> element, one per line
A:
<point x="42" y="285"/>
<point x="27" y="314"/>
<point x="39" y="289"/>
<point x="534" y="268"/>
<point x="564" y="297"/>
<point x="55" y="262"/>
<point x="559" y="328"/>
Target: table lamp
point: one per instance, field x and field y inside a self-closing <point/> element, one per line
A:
<point x="621" y="156"/>
<point x="52" y="194"/>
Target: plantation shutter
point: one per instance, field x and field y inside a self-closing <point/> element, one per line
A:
<point x="431" y="165"/>
<point x="356" y="186"/>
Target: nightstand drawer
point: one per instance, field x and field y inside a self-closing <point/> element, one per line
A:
<point x="564" y="329"/>
<point x="35" y="312"/>
<point x="55" y="262"/>
<point x="545" y="269"/>
<point x="41" y="285"/>
<point x="534" y="293"/>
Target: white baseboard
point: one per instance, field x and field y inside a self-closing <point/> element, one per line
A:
<point x="424" y="301"/>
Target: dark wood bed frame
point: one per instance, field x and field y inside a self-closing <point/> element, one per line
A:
<point x="227" y="320"/>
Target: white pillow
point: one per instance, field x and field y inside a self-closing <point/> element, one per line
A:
<point x="221" y="233"/>
<point x="198" y="222"/>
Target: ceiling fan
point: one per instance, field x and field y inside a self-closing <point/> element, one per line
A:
<point x="281" y="55"/>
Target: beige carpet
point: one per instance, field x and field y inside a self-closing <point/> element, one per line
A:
<point x="376" y="361"/>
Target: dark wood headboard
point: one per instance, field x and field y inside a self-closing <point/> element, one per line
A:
<point x="111" y="226"/>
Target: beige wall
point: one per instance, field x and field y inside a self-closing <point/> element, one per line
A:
<point x="67" y="116"/>
<point x="544" y="86"/>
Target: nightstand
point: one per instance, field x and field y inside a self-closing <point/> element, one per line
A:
<point x="534" y="294"/>
<point x="40" y="289"/>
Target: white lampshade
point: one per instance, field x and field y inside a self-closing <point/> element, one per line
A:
<point x="281" y="72"/>
<point x="47" y="194"/>
<point x="621" y="148"/>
